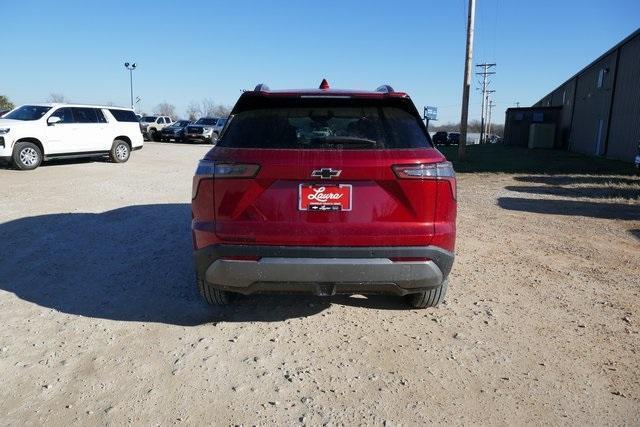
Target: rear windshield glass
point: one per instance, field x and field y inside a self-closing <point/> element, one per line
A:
<point x="148" y="119"/>
<point x="326" y="127"/>
<point x="124" y="115"/>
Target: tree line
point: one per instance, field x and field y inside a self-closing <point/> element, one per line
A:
<point x="205" y="108"/>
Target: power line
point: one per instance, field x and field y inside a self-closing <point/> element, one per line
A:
<point x="485" y="73"/>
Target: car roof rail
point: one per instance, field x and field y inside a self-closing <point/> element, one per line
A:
<point x="385" y="89"/>
<point x="261" y="88"/>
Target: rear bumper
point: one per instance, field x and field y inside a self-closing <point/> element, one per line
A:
<point x="323" y="270"/>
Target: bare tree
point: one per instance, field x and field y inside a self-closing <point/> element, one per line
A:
<point x="208" y="107"/>
<point x="5" y="104"/>
<point x="193" y="111"/>
<point x="57" y="97"/>
<point x="222" y="110"/>
<point x="165" y="109"/>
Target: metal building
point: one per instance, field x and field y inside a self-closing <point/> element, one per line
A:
<point x="600" y="105"/>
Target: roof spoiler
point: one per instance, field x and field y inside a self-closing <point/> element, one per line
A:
<point x="261" y="88"/>
<point x="385" y="89"/>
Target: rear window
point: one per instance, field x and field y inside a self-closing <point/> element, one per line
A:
<point x="324" y="126"/>
<point x="124" y="115"/>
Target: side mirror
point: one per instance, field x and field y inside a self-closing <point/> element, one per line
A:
<point x="53" y="120"/>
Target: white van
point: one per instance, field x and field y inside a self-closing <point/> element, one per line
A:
<point x="32" y="133"/>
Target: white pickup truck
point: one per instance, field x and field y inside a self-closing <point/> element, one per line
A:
<point x="150" y="126"/>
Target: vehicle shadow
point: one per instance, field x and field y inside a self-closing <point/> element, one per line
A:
<point x="605" y="192"/>
<point x="569" y="180"/>
<point x="572" y="208"/>
<point x="61" y="162"/>
<point x="130" y="264"/>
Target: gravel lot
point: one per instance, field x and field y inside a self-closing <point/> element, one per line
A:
<point x="102" y="323"/>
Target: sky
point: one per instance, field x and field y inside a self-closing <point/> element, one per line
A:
<point x="190" y="50"/>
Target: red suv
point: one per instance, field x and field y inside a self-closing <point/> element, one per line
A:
<point x="324" y="191"/>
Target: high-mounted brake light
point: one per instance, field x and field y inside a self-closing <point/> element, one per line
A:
<point x="439" y="171"/>
<point x="208" y="169"/>
<point x="324" y="84"/>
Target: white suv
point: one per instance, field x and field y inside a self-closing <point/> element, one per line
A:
<point x="32" y="133"/>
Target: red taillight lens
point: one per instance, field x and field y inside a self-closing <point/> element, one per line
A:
<point x="208" y="169"/>
<point x="440" y="171"/>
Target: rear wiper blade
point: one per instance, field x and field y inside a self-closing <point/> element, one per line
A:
<point x="343" y="140"/>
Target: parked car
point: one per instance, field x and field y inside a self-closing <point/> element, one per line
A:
<point x="3" y="112"/>
<point x="174" y="131"/>
<point x="454" y="138"/>
<point x="440" y="137"/>
<point x="324" y="191"/>
<point x="37" y="132"/>
<point x="493" y="139"/>
<point x="150" y="126"/>
<point x="205" y="129"/>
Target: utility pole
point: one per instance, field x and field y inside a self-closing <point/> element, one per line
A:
<point x="486" y="110"/>
<point x="485" y="73"/>
<point x="491" y="105"/>
<point x="466" y="84"/>
<point x="517" y="105"/>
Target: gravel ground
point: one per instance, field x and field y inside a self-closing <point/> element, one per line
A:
<point x="102" y="323"/>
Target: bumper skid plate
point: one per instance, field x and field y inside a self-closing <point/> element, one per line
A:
<point x="322" y="271"/>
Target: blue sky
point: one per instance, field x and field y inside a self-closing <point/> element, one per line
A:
<point x="189" y="50"/>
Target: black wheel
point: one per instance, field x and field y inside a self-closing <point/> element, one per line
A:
<point x="212" y="295"/>
<point x="120" y="151"/>
<point x="430" y="298"/>
<point x="153" y="135"/>
<point x="26" y="156"/>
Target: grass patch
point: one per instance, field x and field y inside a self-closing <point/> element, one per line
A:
<point x="509" y="159"/>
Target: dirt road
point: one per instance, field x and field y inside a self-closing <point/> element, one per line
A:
<point x="102" y="324"/>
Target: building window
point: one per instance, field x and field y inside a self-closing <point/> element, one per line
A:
<point x="600" y="81"/>
<point x="538" y="117"/>
<point x="519" y="116"/>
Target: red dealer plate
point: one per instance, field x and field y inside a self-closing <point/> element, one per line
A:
<point x="324" y="197"/>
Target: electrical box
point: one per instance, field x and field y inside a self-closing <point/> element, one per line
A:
<point x="542" y="135"/>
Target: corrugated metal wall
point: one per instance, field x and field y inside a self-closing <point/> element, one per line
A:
<point x="602" y="120"/>
<point x="624" y="132"/>
<point x="591" y="112"/>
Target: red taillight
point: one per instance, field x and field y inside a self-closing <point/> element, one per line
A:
<point x="208" y="169"/>
<point x="235" y="170"/>
<point x="440" y="171"/>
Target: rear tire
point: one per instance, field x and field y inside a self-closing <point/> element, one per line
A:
<point x="153" y="135"/>
<point x="26" y="156"/>
<point x="211" y="295"/>
<point x="429" y="298"/>
<point x="120" y="151"/>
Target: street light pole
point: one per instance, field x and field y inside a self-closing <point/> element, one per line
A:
<point x="130" y="67"/>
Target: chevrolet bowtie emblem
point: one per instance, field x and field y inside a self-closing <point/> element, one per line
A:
<point x="326" y="173"/>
